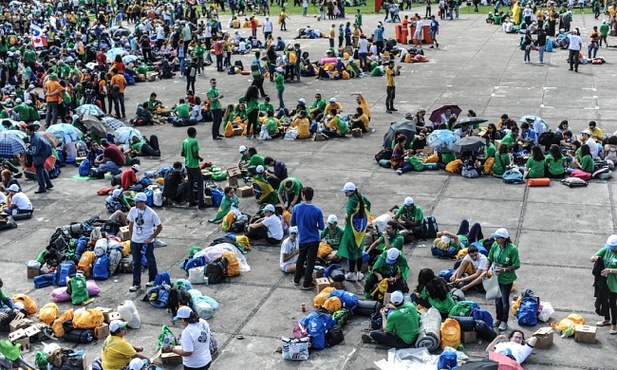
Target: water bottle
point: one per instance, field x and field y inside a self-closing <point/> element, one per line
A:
<point x="205" y="280"/>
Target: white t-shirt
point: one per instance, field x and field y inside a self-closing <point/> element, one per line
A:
<point x="419" y="25"/>
<point x="196" y="339"/>
<point x="273" y="224"/>
<point x="507" y="27"/>
<point x="196" y="112"/>
<point x="268" y="26"/>
<point x="479" y="263"/>
<point x="519" y="351"/>
<point x="363" y="46"/>
<point x="287" y="247"/>
<point x="528" y="12"/>
<point x="593" y="147"/>
<point x="575" y="42"/>
<point x="160" y="35"/>
<point x="144" y="223"/>
<point x="21" y="201"/>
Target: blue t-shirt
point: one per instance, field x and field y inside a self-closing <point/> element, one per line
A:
<point x="309" y="220"/>
<point x="378" y="33"/>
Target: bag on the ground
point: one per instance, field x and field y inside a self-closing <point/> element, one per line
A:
<point x="450" y="334"/>
<point x="100" y="269"/>
<point x="49" y="313"/>
<point x="158" y="296"/>
<point x="513" y="176"/>
<point x="87" y="319"/>
<point x="78" y="289"/>
<point x="334" y="336"/>
<point x="216" y="271"/>
<point x="485" y="331"/>
<point x="65" y="270"/>
<point x="574" y="182"/>
<point x="527" y="314"/>
<point x="28" y="303"/>
<point x="81" y="336"/>
<point x="429" y="227"/>
<point x="128" y="312"/>
<point x="233" y="265"/>
<point x="296" y="349"/>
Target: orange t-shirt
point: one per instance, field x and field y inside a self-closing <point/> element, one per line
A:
<point x="120" y="81"/>
<point x="50" y="87"/>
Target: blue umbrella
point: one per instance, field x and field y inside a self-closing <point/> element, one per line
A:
<point x="90" y="110"/>
<point x="112" y="123"/>
<point x="124" y="135"/>
<point x="11" y="145"/>
<point x="20" y="134"/>
<point x="441" y="139"/>
<point x="534" y="118"/>
<point x="129" y="59"/>
<point x="111" y="54"/>
<point x="66" y="133"/>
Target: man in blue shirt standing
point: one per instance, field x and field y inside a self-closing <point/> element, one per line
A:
<point x="40" y="150"/>
<point x="309" y="220"/>
<point x="379" y="37"/>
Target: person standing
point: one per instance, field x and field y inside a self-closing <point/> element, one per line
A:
<point x="434" y="31"/>
<point x="118" y="84"/>
<point x="214" y="97"/>
<point x="576" y="43"/>
<point x="190" y="152"/>
<point x="252" y="110"/>
<point x="191" y="76"/>
<point x="541" y="42"/>
<point x="144" y="226"/>
<point x="356" y="221"/>
<point x="268" y="27"/>
<point x="40" y="150"/>
<point x="608" y="257"/>
<point x="391" y="86"/>
<point x="258" y="77"/>
<point x="196" y="341"/>
<point x="309" y="220"/>
<point x="604" y="33"/>
<point x="53" y="97"/>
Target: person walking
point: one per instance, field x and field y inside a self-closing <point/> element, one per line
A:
<point x="309" y="220"/>
<point x="40" y="149"/>
<point x="190" y="152"/>
<point x="214" y="97"/>
<point x="196" y="341"/>
<point x="357" y="213"/>
<point x="391" y="85"/>
<point x="576" y="43"/>
<point x="53" y="97"/>
<point x="191" y="74"/>
<point x="258" y="77"/>
<point x="118" y="84"/>
<point x="144" y="226"/>
<point x="606" y="283"/>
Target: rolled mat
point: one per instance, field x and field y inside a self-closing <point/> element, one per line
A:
<point x="430" y="325"/>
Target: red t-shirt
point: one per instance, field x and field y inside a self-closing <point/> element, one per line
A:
<point x="128" y="178"/>
<point x="114" y="154"/>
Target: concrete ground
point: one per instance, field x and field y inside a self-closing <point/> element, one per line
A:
<point x="477" y="67"/>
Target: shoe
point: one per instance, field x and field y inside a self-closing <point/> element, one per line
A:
<point x="218" y="138"/>
<point x="569" y="69"/>
<point x="503" y="326"/>
<point x="351" y="276"/>
<point x="576" y="70"/>
<point x="150" y="283"/>
<point x="202" y="206"/>
<point x="50" y="187"/>
<point x="248" y="137"/>
<point x="310" y="287"/>
<point x="296" y="283"/>
<point x="399" y="172"/>
<point x="367" y="339"/>
<point x="496" y="323"/>
<point x="603" y="323"/>
<point x="437" y="45"/>
<point x="134" y="288"/>
<point x="193" y="204"/>
<point x="389" y="111"/>
<point x="40" y="191"/>
<point x="394" y="109"/>
<point x="360" y="276"/>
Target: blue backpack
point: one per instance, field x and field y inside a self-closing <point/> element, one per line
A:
<point x="451" y="252"/>
<point x="482" y="314"/>
<point x="149" y="196"/>
<point x="527" y="314"/>
<point x="84" y="168"/>
<point x="65" y="269"/>
<point x="217" y="196"/>
<point x="44" y="280"/>
<point x="348" y="299"/>
<point x="158" y="296"/>
<point x="100" y="269"/>
<point x="194" y="262"/>
<point x="80" y="246"/>
<point x="162" y="278"/>
<point x="513" y="177"/>
<point x="317" y="324"/>
<point x="447" y="360"/>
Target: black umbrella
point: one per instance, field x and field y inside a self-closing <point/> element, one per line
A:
<point x="470" y="143"/>
<point x="471" y="120"/>
<point x="406" y="127"/>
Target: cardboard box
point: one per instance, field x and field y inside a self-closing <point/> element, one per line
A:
<point x="238" y="131"/>
<point x="317" y="273"/>
<point x="106" y="311"/>
<point x="19" y="324"/>
<point x="234" y="172"/>
<point x="337" y="284"/>
<point x="114" y="316"/>
<point x="20" y="337"/>
<point x="141" y="77"/>
<point x="34" y="333"/>
<point x="33" y="272"/>
<point x="171" y="359"/>
<point x="469" y="336"/>
<point x="124" y="233"/>
<point x="356" y="132"/>
<point x="322" y="283"/>
<point x="208" y="201"/>
<point x="101" y="332"/>
<point x="585" y="334"/>
<point x="245" y="191"/>
<point x="544" y="337"/>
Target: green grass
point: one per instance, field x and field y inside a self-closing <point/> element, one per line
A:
<point x="275" y="10"/>
<point x="486" y="9"/>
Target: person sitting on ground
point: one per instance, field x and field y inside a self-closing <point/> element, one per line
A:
<point x="433" y="291"/>
<point x="506" y="123"/>
<point x="583" y="160"/>
<point x="195" y="113"/>
<point x="333" y="105"/>
<point x="7" y="304"/>
<point x="142" y="147"/>
<point x="517" y="348"/>
<point x="463" y="131"/>
<point x="469" y="273"/>
<point x="389" y="238"/>
<point x="272" y="125"/>
<point x="333" y="128"/>
<point x="117" y="351"/>
<point x="360" y="120"/>
<point x="145" y="114"/>
<point x="400" y="324"/>
<point x="289" y="251"/>
<point x="303" y="124"/>
<point x="535" y="165"/>
<point x="7" y="180"/>
<point x="289" y="193"/>
<point x="229" y="202"/>
<point x="331" y="235"/>
<point x="175" y="188"/>
<point x="112" y="158"/>
<point x="555" y="163"/>
<point x="593" y="146"/>
<point x="276" y="172"/>
<point x="268" y="227"/>
<point x="596" y="132"/>
<point x="392" y="267"/>
<point x="117" y="202"/>
<point x="154" y="103"/>
<point x="128" y="179"/>
<point x="254" y="160"/>
<point x="264" y="192"/>
<point x="419" y="143"/>
<point x="409" y="218"/>
<point x="318" y="107"/>
<point x="266" y="106"/>
<point x="19" y="203"/>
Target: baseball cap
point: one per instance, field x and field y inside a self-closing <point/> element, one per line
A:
<point x="135" y="167"/>
<point x="586" y="132"/>
<point x="301" y="100"/>
<point x="75" y="116"/>
<point x="332" y="219"/>
<point x="278" y="69"/>
<point x="610" y="242"/>
<point x="18" y="101"/>
<point x="136" y="364"/>
<point x="500" y="233"/>
<point x="408" y="201"/>
<point x="397" y="297"/>
<point x="332" y="100"/>
<point x="140" y="197"/>
<point x="116" y="325"/>
<point x="260" y="169"/>
<point x="116" y="193"/>
<point x="269" y="208"/>
<point x="242" y="149"/>
<point x="293" y="229"/>
<point x="36" y="123"/>
<point x="349" y="186"/>
<point x="14" y="188"/>
<point x="31" y="86"/>
<point x="184" y="312"/>
<point x="392" y="255"/>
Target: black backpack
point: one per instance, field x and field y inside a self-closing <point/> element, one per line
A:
<point x="429" y="227"/>
<point x="334" y="336"/>
<point x="216" y="271"/>
<point x="82" y="336"/>
<point x="178" y="296"/>
<point x="546" y="138"/>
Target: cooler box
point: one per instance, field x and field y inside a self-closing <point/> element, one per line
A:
<point x="400" y="33"/>
<point x="426" y="34"/>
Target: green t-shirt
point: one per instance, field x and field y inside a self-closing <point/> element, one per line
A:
<point x="251" y="105"/>
<point x="279" y="82"/>
<point x="333" y="238"/>
<point x="29" y="56"/>
<point x="502" y="161"/>
<point x="213" y="94"/>
<point x="199" y="51"/>
<point x="610" y="262"/>
<point x="404" y="321"/>
<point x="509" y="139"/>
<point x="256" y="160"/>
<point x="587" y="163"/>
<point x="505" y="257"/>
<point x="489" y="151"/>
<point x="396" y="241"/>
<point x="190" y="145"/>
<point x="266" y="107"/>
<point x="442" y="306"/>
<point x="414" y="215"/>
<point x="319" y="104"/>
<point x="295" y="189"/>
<point x="182" y="110"/>
<point x="555" y="166"/>
<point x="536" y="168"/>
<point x="272" y="126"/>
<point x="604" y="29"/>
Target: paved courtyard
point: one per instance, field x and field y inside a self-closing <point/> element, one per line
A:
<point x="477" y="67"/>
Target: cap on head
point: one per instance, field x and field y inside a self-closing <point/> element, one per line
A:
<point x="260" y="169"/>
<point x="332" y="219"/>
<point x="586" y="132"/>
<point x="302" y="100"/>
<point x="332" y="100"/>
<point x="18" y="101"/>
<point x="140" y="197"/>
<point x="501" y="233"/>
<point x="136" y="364"/>
<point x="184" y="312"/>
<point x="392" y="255"/>
<point x="116" y="325"/>
<point x="242" y="149"/>
<point x="13" y="188"/>
<point x="293" y="230"/>
<point x="408" y="201"/>
<point x="269" y="208"/>
<point x="349" y="186"/>
<point x="611" y="241"/>
<point x="116" y="193"/>
<point x="135" y="167"/>
<point x="397" y="297"/>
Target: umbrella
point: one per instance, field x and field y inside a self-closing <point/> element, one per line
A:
<point x="471" y="143"/>
<point x="89" y="109"/>
<point x="95" y="125"/>
<point x="10" y="145"/>
<point x="436" y="115"/>
<point x="441" y="139"/>
<point x="471" y="120"/>
<point x="53" y="140"/>
<point x="111" y="54"/>
<point x="124" y="135"/>
<point x="113" y="123"/>
<point x="20" y="134"/>
<point x="406" y="127"/>
<point x="129" y="59"/>
<point x="535" y="118"/>
<point x="119" y="31"/>
<point x="12" y="124"/>
<point x="66" y="133"/>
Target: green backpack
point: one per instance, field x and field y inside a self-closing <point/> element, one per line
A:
<point x="78" y="290"/>
<point x="166" y="337"/>
<point x="416" y="163"/>
<point x="342" y="125"/>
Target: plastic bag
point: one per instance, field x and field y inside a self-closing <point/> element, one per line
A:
<point x="196" y="275"/>
<point x="166" y="337"/>
<point x="129" y="313"/>
<point x="491" y="285"/>
<point x="296" y="349"/>
<point x="546" y="311"/>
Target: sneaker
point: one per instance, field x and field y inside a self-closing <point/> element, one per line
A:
<point x="134" y="288"/>
<point x="367" y="339"/>
<point x="296" y="283"/>
<point x="360" y="276"/>
<point x="394" y="110"/>
<point x="496" y="323"/>
<point x="351" y="276"/>
<point x="310" y="287"/>
<point x="150" y="283"/>
<point x="399" y="172"/>
<point x="503" y="326"/>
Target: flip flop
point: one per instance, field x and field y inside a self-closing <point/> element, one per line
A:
<point x="603" y="323"/>
<point x="612" y="332"/>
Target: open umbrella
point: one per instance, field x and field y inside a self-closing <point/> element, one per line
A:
<point x="90" y="109"/>
<point x="8" y="124"/>
<point x="20" y="134"/>
<point x="545" y="124"/>
<point x="406" y="127"/>
<point x="129" y="59"/>
<point x="10" y="145"/>
<point x="53" y="140"/>
<point x="470" y="143"/>
<point x="472" y="121"/>
<point x="113" y="123"/>
<point x="436" y="115"/>
<point x="124" y="135"/>
<point x="111" y="54"/>
<point x="66" y="133"/>
<point x="96" y="126"/>
<point x="441" y="139"/>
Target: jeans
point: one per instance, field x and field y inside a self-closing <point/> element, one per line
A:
<point x="111" y="167"/>
<point x="405" y="167"/>
<point x="279" y="95"/>
<point x="502" y="304"/>
<point x="541" y="53"/>
<point x="363" y="61"/>
<point x="52" y="113"/>
<point x="390" y="95"/>
<point x="194" y="177"/>
<point x="252" y="122"/>
<point x="307" y="252"/>
<point x="219" y="63"/>
<point x="119" y="105"/>
<point x="190" y="84"/>
<point x="216" y="122"/>
<point x="592" y="50"/>
<point x="42" y="177"/>
<point x="136" y="253"/>
<point x="259" y="83"/>
<point x="573" y="59"/>
<point x="527" y="57"/>
<point x="474" y="234"/>
<point x="389" y="339"/>
<point x="182" y="66"/>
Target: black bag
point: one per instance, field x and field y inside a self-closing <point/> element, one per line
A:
<point x="383" y="154"/>
<point x="466" y="323"/>
<point x="97" y="173"/>
<point x="376" y="321"/>
<point x="111" y="227"/>
<point x="366" y="308"/>
<point x="29" y="160"/>
<point x="216" y="271"/>
<point x="429" y="227"/>
<point x="154" y="142"/>
<point x="485" y="331"/>
<point x="546" y="138"/>
<point x="178" y="296"/>
<point x="337" y="275"/>
<point x="73" y="362"/>
<point x="82" y="336"/>
<point x="334" y="336"/>
<point x="115" y="180"/>
<point x="238" y="227"/>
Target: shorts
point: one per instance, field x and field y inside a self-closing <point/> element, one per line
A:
<point x="287" y="264"/>
<point x="417" y="35"/>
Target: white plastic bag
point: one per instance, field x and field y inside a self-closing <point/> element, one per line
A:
<point x="547" y="311"/>
<point x="491" y="285"/>
<point x="157" y="198"/>
<point x="196" y="275"/>
<point x="128" y="312"/>
<point x="295" y="349"/>
<point x="381" y="222"/>
<point x="291" y="134"/>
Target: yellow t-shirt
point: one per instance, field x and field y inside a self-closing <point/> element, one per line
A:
<point x="364" y="105"/>
<point x="336" y="105"/>
<point x="596" y="133"/>
<point x="332" y="33"/>
<point x="390" y="72"/>
<point x="364" y="119"/>
<point x="304" y="126"/>
<point x="117" y="353"/>
<point x="333" y="125"/>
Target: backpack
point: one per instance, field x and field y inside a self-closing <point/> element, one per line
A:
<point x="342" y="316"/>
<point x="233" y="265"/>
<point x="166" y="337"/>
<point x="84" y="168"/>
<point x="611" y="154"/>
<point x="447" y="360"/>
<point x="115" y="91"/>
<point x="162" y="278"/>
<point x="82" y="336"/>
<point x="603" y="173"/>
<point x="485" y="331"/>
<point x="513" y="176"/>
<point x="78" y="289"/>
<point x="429" y="227"/>
<point x="334" y="336"/>
<point x="65" y="270"/>
<point x="581" y="175"/>
<point x="482" y="314"/>
<point x="115" y="256"/>
<point x="158" y="296"/>
<point x="342" y="125"/>
<point x="216" y="271"/>
<point x="546" y="138"/>
<point x="349" y="300"/>
<point x="384" y="154"/>
<point x="317" y="325"/>
<point x="100" y="269"/>
<point x="527" y="314"/>
<point x="179" y="296"/>
<point x="49" y="313"/>
<point x="28" y="303"/>
<point x="450" y="334"/>
<point x="111" y="227"/>
<point x="45" y="280"/>
<point x="416" y="163"/>
<point x="574" y="182"/>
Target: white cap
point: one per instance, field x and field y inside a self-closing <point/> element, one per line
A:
<point x="242" y="149"/>
<point x="260" y="169"/>
<point x="301" y="100"/>
<point x="269" y="208"/>
<point x="18" y="101"/>
<point x="36" y="123"/>
<point x="14" y="188"/>
<point x="184" y="312"/>
<point x="501" y="233"/>
<point x="397" y="297"/>
<point x="30" y="87"/>
<point x="445" y="238"/>
<point x="136" y="364"/>
<point x="611" y="241"/>
<point x="135" y="167"/>
<point x="586" y="132"/>
<point x="408" y="201"/>
<point x="332" y="219"/>
<point x="114" y="325"/>
<point x="140" y="197"/>
<point x="75" y="116"/>
<point x="116" y="193"/>
<point x="392" y="255"/>
<point x="349" y="186"/>
<point x="332" y="100"/>
<point x="293" y="230"/>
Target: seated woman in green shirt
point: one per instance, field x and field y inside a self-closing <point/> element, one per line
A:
<point x="391" y="269"/>
<point x="534" y="168"/>
<point x="555" y="163"/>
<point x="432" y="291"/>
<point x="502" y="161"/>
<point x="583" y="161"/>
<point x="330" y="236"/>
